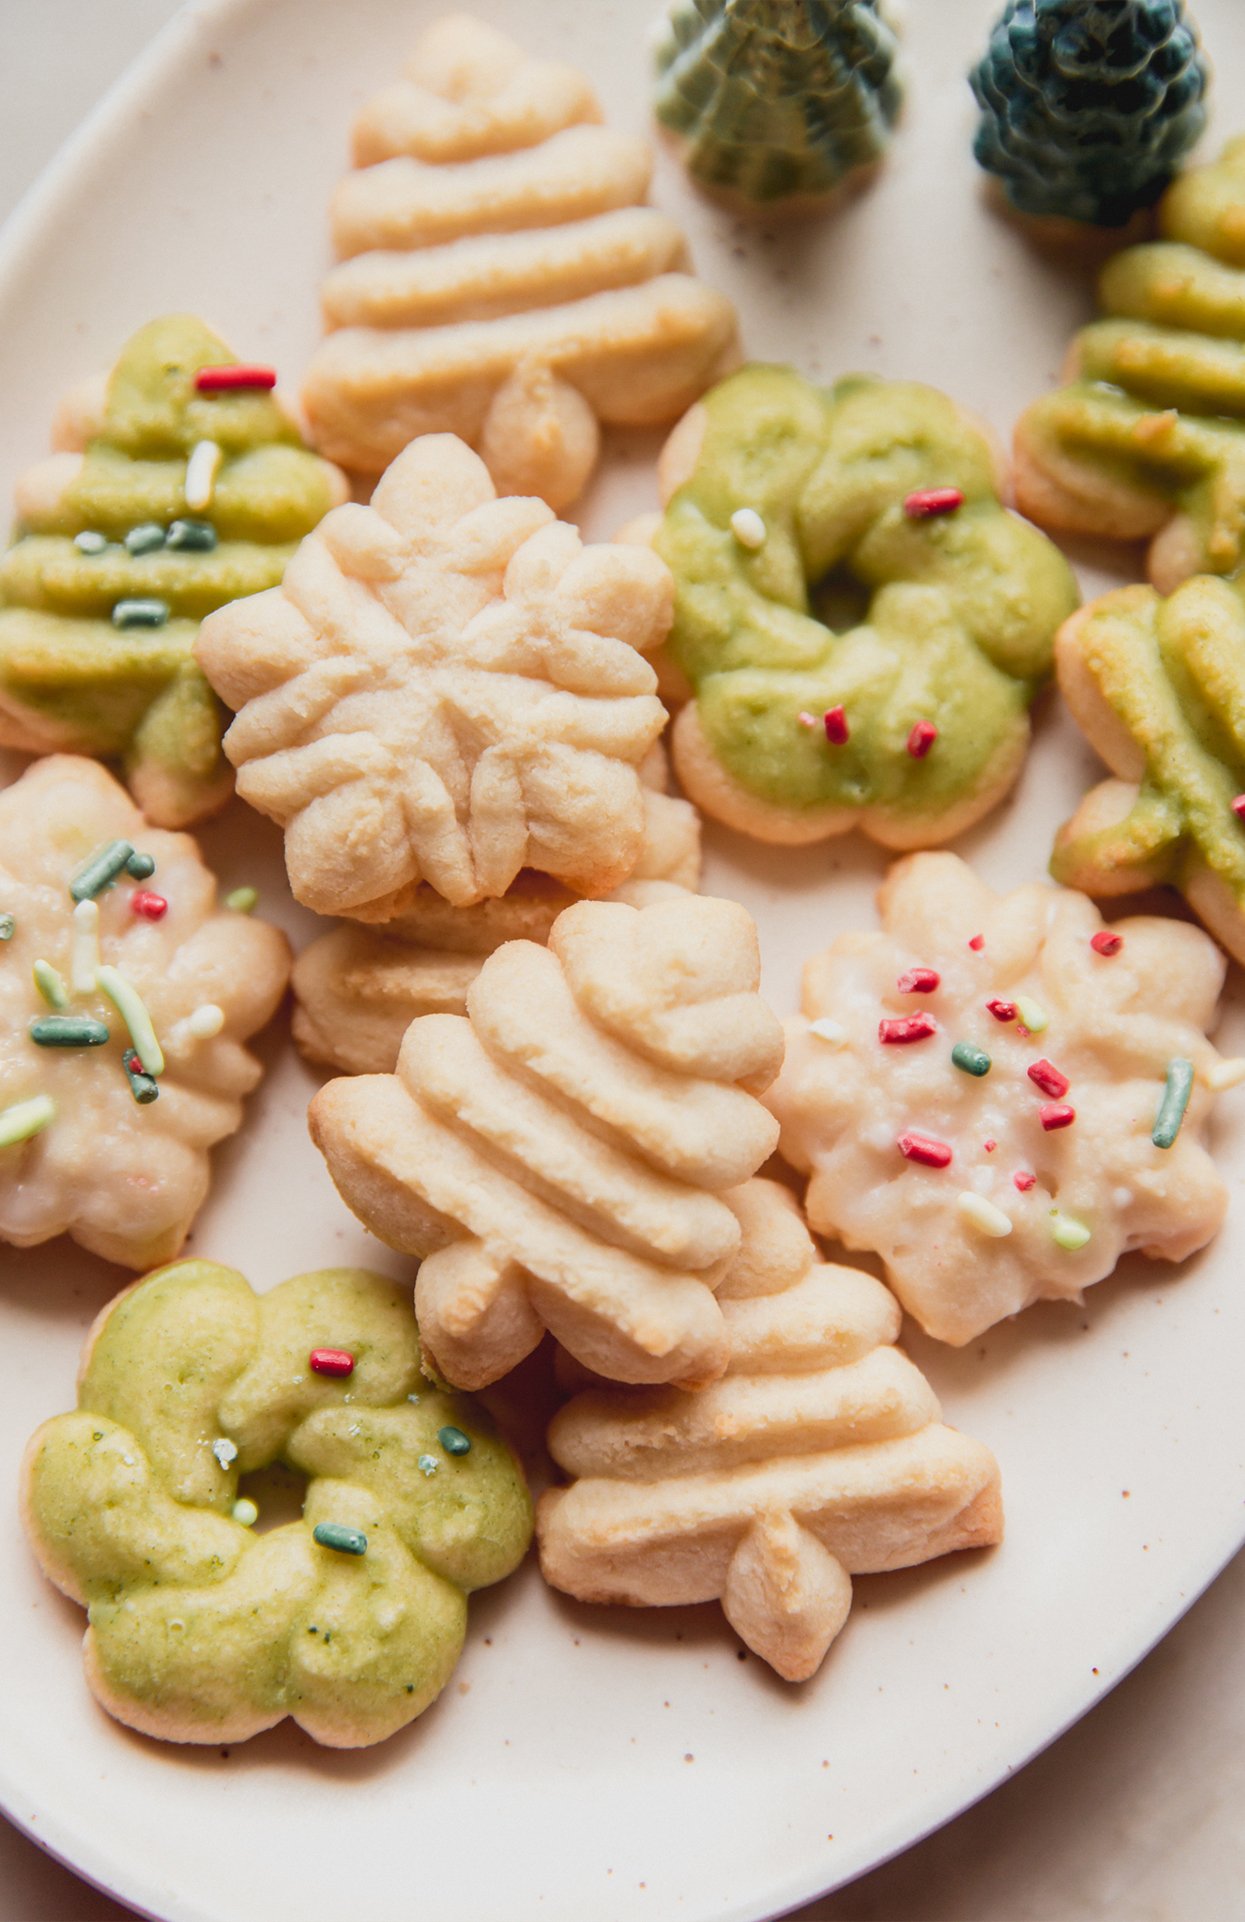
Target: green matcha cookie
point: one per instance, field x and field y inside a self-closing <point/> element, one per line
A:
<point x="202" y="1627"/>
<point x="861" y="623"/>
<point x="168" y="498"/>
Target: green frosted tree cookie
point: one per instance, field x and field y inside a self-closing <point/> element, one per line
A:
<point x="861" y="623"/>
<point x="204" y="1627"/>
<point x="1147" y="440"/>
<point x="180" y="486"/>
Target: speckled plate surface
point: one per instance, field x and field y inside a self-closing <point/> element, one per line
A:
<point x="591" y="1764"/>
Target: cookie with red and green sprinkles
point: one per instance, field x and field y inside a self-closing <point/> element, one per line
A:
<point x="1000" y="1096"/>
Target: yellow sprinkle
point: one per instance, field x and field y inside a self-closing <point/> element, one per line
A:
<point x="246" y="1512"/>
<point x="201" y="471"/>
<point x="1032" y="1014"/>
<point x="1225" y="1074"/>
<point x="128" y="1002"/>
<point x="983" y="1215"/>
<point x="1067" y="1232"/>
<point x="50" y="985"/>
<point x="748" y="527"/>
<point x="25" y="1118"/>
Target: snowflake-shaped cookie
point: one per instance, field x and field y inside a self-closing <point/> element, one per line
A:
<point x="125" y="995"/>
<point x="1001" y="1096"/>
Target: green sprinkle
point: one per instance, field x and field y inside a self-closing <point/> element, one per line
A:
<point x="128" y="1002"/>
<point x="453" y="1441"/>
<point x="140" y="867"/>
<point x="347" y="1541"/>
<point x="8" y="926"/>
<point x="427" y="1464"/>
<point x="1067" y="1232"/>
<point x="100" y="871"/>
<point x="1032" y="1014"/>
<point x="246" y="1512"/>
<point x="142" y="611"/>
<point x="90" y="541"/>
<point x="50" y="984"/>
<point x="242" y="900"/>
<point x="68" y="1031"/>
<point x="144" y="1087"/>
<point x="25" y="1118"/>
<point x="145" y="538"/>
<point x="972" y="1060"/>
<point x="194" y="536"/>
<point x="1175" y="1100"/>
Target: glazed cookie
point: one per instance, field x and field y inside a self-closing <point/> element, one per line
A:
<point x="1001" y="1097"/>
<point x="1147" y="441"/>
<point x="446" y="688"/>
<point x="350" y="1619"/>
<point x="1159" y="688"/>
<point x="558" y="1155"/>
<point x="500" y="278"/>
<point x="125" y="997"/>
<point x="860" y="622"/>
<point x="821" y="1454"/>
<point x="180" y="483"/>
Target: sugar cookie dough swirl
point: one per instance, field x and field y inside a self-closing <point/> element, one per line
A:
<point x="819" y="1455"/>
<point x="557" y="1156"/>
<point x="350" y="1619"/>
<point x="860" y="622"/>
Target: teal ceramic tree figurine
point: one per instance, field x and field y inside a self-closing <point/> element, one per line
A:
<point x="1088" y="106"/>
<point x="775" y="103"/>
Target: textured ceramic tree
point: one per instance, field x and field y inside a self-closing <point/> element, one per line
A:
<point x="777" y="102"/>
<point x="167" y="497"/>
<point x="1088" y="106"/>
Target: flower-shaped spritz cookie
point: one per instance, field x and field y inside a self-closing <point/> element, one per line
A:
<point x="499" y="277"/>
<point x="447" y="687"/>
<point x="349" y="1619"/>
<point x="1001" y="1096"/>
<point x="821" y="1454"/>
<point x="557" y="1155"/>
<point x="125" y="997"/>
<point x="179" y="483"/>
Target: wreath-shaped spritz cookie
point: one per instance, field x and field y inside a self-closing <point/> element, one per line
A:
<point x="180" y="482"/>
<point x="558" y="1155"/>
<point x="860" y="622"/>
<point x="446" y="688"/>
<point x="1000" y="1096"/>
<point x="821" y="1454"/>
<point x="350" y="1619"/>
<point x="125" y="997"/>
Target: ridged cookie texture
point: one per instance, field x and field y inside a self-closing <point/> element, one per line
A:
<point x="349" y="1619"/>
<point x="447" y="687"/>
<point x="1000" y="1096"/>
<point x="820" y="1454"/>
<point x="499" y="276"/>
<point x="558" y="1155"/>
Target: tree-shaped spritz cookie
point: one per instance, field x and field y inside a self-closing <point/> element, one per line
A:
<point x="860" y="621"/>
<point x="349" y="1619"/>
<point x="446" y="688"/>
<point x="180" y="482"/>
<point x="125" y="997"/>
<point x="1000" y="1096"/>
<point x="1159" y="688"/>
<point x="558" y="1154"/>
<point x="821" y="1454"/>
<point x="1147" y="442"/>
<point x="500" y="277"/>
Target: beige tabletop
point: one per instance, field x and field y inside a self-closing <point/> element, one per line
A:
<point x="1134" y="1814"/>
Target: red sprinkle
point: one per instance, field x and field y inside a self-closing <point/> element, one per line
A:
<point x="331" y="1361"/>
<point x="928" y="501"/>
<point x="221" y="380"/>
<point x="908" y="1027"/>
<point x="1022" y="1031"/>
<point x="837" y="730"/>
<point x="1048" y="1078"/>
<point x="1105" y="942"/>
<point x="152" y="907"/>
<point x="1001" y="1010"/>
<point x="923" y="1148"/>
<point x="1024" y="1181"/>
<point x="990" y="1145"/>
<point x="922" y="739"/>
<point x="1056" y="1114"/>
<point x="918" y="981"/>
<point x="1238" y="807"/>
<point x="977" y="943"/>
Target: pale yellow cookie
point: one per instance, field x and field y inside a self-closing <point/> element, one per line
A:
<point x="1000" y="1096"/>
<point x="447" y="688"/>
<point x="499" y="277"/>
<point x="820" y="1455"/>
<point x="557" y="1156"/>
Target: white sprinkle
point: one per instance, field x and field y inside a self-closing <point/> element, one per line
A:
<point x="427" y="1464"/>
<point x="225" y="1451"/>
<point x="84" y="954"/>
<point x="1225" y="1074"/>
<point x="200" y="1025"/>
<point x="246" y="1512"/>
<point x="748" y="527"/>
<point x="201" y="471"/>
<point x="983" y="1215"/>
<point x="826" y="1030"/>
<point x="415" y="1399"/>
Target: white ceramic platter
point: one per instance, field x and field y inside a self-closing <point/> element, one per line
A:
<point x="591" y="1765"/>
